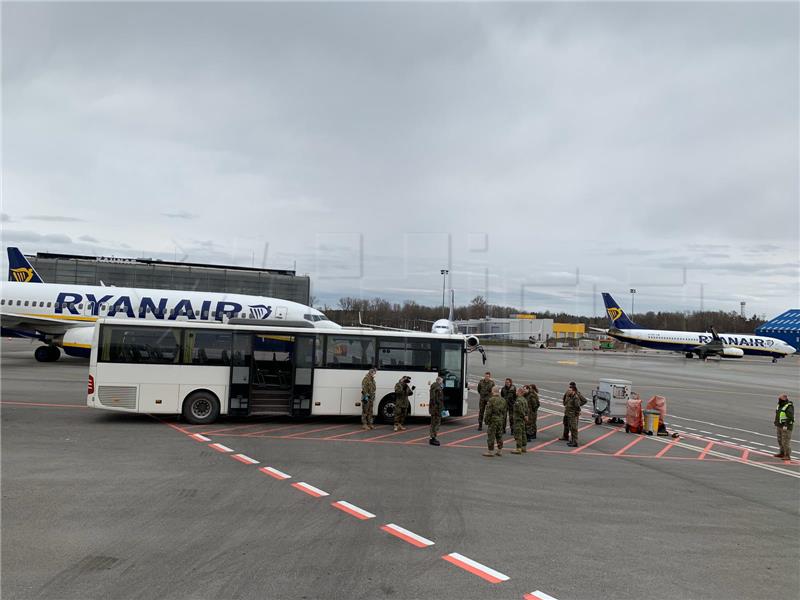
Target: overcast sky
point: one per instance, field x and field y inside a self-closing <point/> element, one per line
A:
<point x="542" y="152"/>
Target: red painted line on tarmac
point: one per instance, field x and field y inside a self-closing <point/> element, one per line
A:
<point x="353" y="510"/>
<point x="224" y="429"/>
<point x="705" y="451"/>
<point x="316" y="430"/>
<point x="220" y="448"/>
<point x="272" y="472"/>
<point x="243" y="458"/>
<point x="622" y="450"/>
<point x="542" y="445"/>
<point x="667" y="448"/>
<point x="537" y="595"/>
<point x="441" y="432"/>
<point x="380" y="437"/>
<point x="170" y="425"/>
<point x="594" y="441"/>
<point x="483" y="434"/>
<point x="43" y="404"/>
<point x="745" y="455"/>
<point x="475" y="568"/>
<point x="270" y="430"/>
<point x="310" y="489"/>
<point x="406" y="535"/>
<point x="341" y="435"/>
<point x="199" y="437"/>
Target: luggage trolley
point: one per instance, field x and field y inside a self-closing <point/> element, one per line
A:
<point x="610" y="399"/>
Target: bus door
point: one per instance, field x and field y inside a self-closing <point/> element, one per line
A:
<point x="451" y="370"/>
<point x="303" y="384"/>
<point x="241" y="361"/>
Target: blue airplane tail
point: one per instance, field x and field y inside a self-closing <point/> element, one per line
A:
<point x="19" y="269"/>
<point x="617" y="316"/>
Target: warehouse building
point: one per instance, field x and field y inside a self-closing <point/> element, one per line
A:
<point x="163" y="274"/>
<point x="785" y="327"/>
<point x="515" y="328"/>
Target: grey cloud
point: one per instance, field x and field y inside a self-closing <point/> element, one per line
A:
<point x="88" y="238"/>
<point x="4" y="218"/>
<point x="560" y="130"/>
<point x="54" y="218"/>
<point x="181" y="214"/>
<point x="35" y="237"/>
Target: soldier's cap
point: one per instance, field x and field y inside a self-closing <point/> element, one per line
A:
<point x="572" y="385"/>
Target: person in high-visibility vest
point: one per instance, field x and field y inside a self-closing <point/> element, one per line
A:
<point x="784" y="422"/>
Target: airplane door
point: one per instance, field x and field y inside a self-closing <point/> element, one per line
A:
<point x="280" y="312"/>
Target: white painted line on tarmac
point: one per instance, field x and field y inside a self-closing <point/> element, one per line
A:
<point x="243" y="458"/>
<point x="274" y="473"/>
<point x="199" y="438"/>
<point x="475" y="568"/>
<point x="407" y="536"/>
<point x="352" y="509"/>
<point x="309" y="489"/>
<point x="537" y="595"/>
<point x="220" y="448"/>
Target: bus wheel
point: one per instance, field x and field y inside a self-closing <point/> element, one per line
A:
<point x="201" y="408"/>
<point x="689" y="355"/>
<point x="386" y="410"/>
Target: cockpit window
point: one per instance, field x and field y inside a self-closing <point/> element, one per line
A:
<point x="315" y="318"/>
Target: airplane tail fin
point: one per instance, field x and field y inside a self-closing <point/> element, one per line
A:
<point x="452" y="315"/>
<point x="19" y="269"/>
<point x="616" y="315"/>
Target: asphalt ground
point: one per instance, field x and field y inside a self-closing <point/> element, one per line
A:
<point x="101" y="505"/>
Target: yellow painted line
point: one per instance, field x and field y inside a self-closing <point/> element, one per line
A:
<point x="567" y="362"/>
<point x="64" y="317"/>
<point x="71" y="345"/>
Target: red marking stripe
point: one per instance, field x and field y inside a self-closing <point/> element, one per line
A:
<point x="475" y="568"/>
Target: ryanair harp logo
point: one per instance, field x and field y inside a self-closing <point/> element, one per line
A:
<point x="614" y="313"/>
<point x="22" y="274"/>
<point x="260" y="311"/>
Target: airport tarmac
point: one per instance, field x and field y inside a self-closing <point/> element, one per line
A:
<point x="99" y="505"/>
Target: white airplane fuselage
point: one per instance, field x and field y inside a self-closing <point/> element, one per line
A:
<point x="56" y="312"/>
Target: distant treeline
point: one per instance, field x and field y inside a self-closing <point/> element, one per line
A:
<point x="411" y="315"/>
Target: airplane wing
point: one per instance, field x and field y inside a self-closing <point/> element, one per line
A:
<point x="599" y="329"/>
<point x="360" y="322"/>
<point x="41" y="324"/>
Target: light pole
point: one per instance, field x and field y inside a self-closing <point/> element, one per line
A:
<point x="633" y="295"/>
<point x="444" y="273"/>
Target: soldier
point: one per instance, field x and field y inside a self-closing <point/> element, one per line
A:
<point x="573" y="400"/>
<point x="485" y="386"/>
<point x="784" y="423"/>
<point x="401" y="404"/>
<point x="509" y="392"/>
<point x="532" y="396"/>
<point x="520" y="422"/>
<point x="368" y="398"/>
<point x="495" y="418"/>
<point x="435" y="408"/>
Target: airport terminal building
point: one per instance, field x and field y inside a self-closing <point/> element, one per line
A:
<point x="163" y="274"/>
<point x="785" y="327"/>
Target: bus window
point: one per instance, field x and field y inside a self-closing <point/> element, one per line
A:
<point x="346" y="352"/>
<point x="206" y="347"/>
<point x="140" y="345"/>
<point x="399" y="353"/>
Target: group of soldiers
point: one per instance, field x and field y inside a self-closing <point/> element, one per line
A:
<point x="517" y="408"/>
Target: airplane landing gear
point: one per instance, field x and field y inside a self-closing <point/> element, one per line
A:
<point x="47" y="353"/>
<point x="774" y="359"/>
<point x="689" y="355"/>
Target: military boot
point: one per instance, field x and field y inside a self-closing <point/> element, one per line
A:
<point x="488" y="453"/>
<point x="396" y="428"/>
<point x="499" y="452"/>
<point x="516" y="451"/>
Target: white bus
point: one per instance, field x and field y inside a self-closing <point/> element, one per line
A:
<point x="202" y="370"/>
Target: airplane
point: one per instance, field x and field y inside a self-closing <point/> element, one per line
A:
<point x="62" y="316"/>
<point x="703" y="344"/>
<point x="447" y="327"/>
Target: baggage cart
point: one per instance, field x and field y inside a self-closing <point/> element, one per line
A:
<point x="610" y="399"/>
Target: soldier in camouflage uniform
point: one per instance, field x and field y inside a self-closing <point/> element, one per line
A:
<point x="401" y="404"/>
<point x="495" y="418"/>
<point x="573" y="400"/>
<point x="520" y="422"/>
<point x="485" y="386"/>
<point x="435" y="408"/>
<point x="532" y="396"/>
<point x="509" y="392"/>
<point x="368" y="399"/>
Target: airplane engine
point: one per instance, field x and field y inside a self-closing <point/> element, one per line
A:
<point x="77" y="341"/>
<point x="472" y="342"/>
<point x="732" y="352"/>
